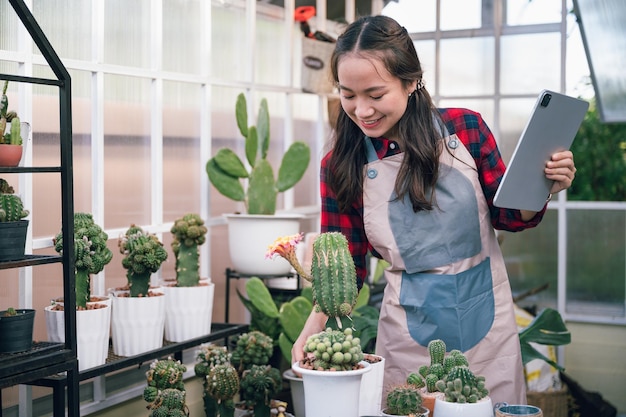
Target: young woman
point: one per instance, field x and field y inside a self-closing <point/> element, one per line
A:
<point x="415" y="186"/>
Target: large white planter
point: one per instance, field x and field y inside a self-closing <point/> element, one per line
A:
<point x="249" y="236"/>
<point x="297" y="392"/>
<point x="137" y="324"/>
<point x="371" y="393"/>
<point x="482" y="408"/>
<point x="332" y="394"/>
<point x="92" y="333"/>
<point x="188" y="311"/>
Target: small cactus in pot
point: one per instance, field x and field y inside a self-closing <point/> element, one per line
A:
<point x="258" y="386"/>
<point x="209" y="356"/>
<point x="165" y="391"/>
<point x="228" y="174"/>
<point x="189" y="232"/>
<point x="10" y="125"/>
<point x="404" y="400"/>
<point x="333" y="350"/>
<point x="252" y="348"/>
<point x="222" y="384"/>
<point x="143" y="255"/>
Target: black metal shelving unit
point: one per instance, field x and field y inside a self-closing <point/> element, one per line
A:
<point x="46" y="359"/>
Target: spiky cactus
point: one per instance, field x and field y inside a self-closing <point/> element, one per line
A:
<point x="404" y="400"/>
<point x="334" y="350"/>
<point x="169" y="403"/>
<point x="259" y="385"/>
<point x="462" y="386"/>
<point x="226" y="171"/>
<point x="91" y="254"/>
<point x="209" y="356"/>
<point x="143" y="255"/>
<point x="222" y="384"/>
<point x="189" y="232"/>
<point x="437" y="351"/>
<point x="165" y="373"/>
<point x="13" y="136"/>
<point x="4" y="106"/>
<point x="252" y="348"/>
<point x="11" y="208"/>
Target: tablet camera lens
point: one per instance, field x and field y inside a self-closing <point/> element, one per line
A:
<point x="545" y="100"/>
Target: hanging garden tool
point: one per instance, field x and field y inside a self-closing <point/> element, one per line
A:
<point x="302" y="14"/>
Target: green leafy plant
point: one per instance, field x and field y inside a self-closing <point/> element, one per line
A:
<point x="91" y="254"/>
<point x="547" y="328"/>
<point x="143" y="255"/>
<point x="228" y="174"/>
<point x="189" y="232"/>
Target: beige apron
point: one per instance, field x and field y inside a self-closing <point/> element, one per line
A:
<point x="447" y="278"/>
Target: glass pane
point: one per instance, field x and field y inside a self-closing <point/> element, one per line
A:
<point x="531" y="261"/>
<point x="524" y="12"/>
<point x="415" y="16"/>
<point x="530" y="63"/>
<point x="467" y="66"/>
<point x="229" y="57"/>
<point x="182" y="167"/>
<point x="596" y="266"/>
<point x="8" y="27"/>
<point x="127" y="33"/>
<point x="127" y="151"/>
<point x="514" y="114"/>
<point x="183" y="36"/>
<point x="67" y="25"/>
<point x="271" y="59"/>
<point x="578" y="81"/>
<point x="461" y="14"/>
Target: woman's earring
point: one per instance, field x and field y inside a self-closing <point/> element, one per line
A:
<point x="420" y="84"/>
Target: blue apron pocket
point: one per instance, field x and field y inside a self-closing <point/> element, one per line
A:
<point x="458" y="309"/>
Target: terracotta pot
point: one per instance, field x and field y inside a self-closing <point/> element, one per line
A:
<point x="10" y="155"/>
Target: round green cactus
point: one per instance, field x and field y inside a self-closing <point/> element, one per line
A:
<point x="166" y="373"/>
<point x="222" y="382"/>
<point x="462" y="386"/>
<point x="334" y="350"/>
<point x="259" y="385"/>
<point x="11" y="208"/>
<point x="208" y="356"/>
<point x="404" y="400"/>
<point x="252" y="348"/>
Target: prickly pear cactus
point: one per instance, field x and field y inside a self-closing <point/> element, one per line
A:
<point x="228" y="173"/>
<point x="11" y="208"/>
<point x="404" y="400"/>
<point x="334" y="275"/>
<point x="189" y="233"/>
<point x="252" y="348"/>
<point x="334" y="350"/>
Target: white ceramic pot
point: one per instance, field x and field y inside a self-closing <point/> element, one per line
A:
<point x="137" y="323"/>
<point x="332" y="394"/>
<point x="188" y="311"/>
<point x="297" y="392"/>
<point x="482" y="408"/>
<point x="92" y="333"/>
<point x="249" y="236"/>
<point x="424" y="412"/>
<point x="371" y="393"/>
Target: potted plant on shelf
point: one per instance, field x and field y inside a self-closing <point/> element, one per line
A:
<point x="11" y="132"/>
<point x="209" y="356"/>
<point x="165" y="391"/>
<point x="404" y="400"/>
<point x="93" y="316"/>
<point x="189" y="300"/>
<point x="13" y="225"/>
<point x="138" y="317"/>
<point x="327" y="393"/>
<point x="257" y="188"/>
<point x="16" y="330"/>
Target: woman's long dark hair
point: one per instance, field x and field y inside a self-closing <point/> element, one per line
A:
<point x="381" y="37"/>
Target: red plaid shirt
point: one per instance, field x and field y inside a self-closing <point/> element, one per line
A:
<point x="479" y="141"/>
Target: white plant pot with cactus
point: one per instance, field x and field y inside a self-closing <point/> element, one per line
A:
<point x="257" y="187"/>
<point x="371" y="393"/>
<point x="297" y="392"/>
<point x="423" y="412"/>
<point x="481" y="408"/>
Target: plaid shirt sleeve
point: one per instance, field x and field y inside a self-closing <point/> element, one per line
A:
<point x="472" y="130"/>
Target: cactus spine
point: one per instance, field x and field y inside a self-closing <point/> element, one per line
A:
<point x="334" y="275"/>
<point x="11" y="208"/>
<point x="189" y="233"/>
<point x="143" y="255"/>
<point x="226" y="171"/>
<point x="404" y="400"/>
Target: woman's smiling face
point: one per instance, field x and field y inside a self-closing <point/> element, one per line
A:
<point x="373" y="98"/>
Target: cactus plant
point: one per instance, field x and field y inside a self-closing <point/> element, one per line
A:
<point x="163" y="374"/>
<point x="333" y="274"/>
<point x="13" y="136"/>
<point x="252" y="348"/>
<point x="189" y="232"/>
<point x="462" y="386"/>
<point x="334" y="350"/>
<point x="226" y="170"/>
<point x="259" y="385"/>
<point x="222" y="384"/>
<point x="90" y="251"/>
<point x="143" y="255"/>
<point x="209" y="356"/>
<point x="404" y="400"/>
<point x="11" y="208"/>
<point x="169" y="403"/>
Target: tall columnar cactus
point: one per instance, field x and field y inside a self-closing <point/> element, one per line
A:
<point x="259" y="385"/>
<point x="333" y="274"/>
<point x="13" y="136"/>
<point x="437" y="351"/>
<point x="252" y="348"/>
<point x="462" y="386"/>
<point x="334" y="350"/>
<point x="143" y="255"/>
<point x="189" y="233"/>
<point x="222" y="384"/>
<point x="226" y="171"/>
<point x="403" y="400"/>
<point x="91" y="254"/>
<point x="4" y="106"/>
<point x="11" y="208"/>
<point x="210" y="356"/>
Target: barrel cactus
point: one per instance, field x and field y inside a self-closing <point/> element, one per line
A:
<point x="334" y="350"/>
<point x="252" y="348"/>
<point x="404" y="400"/>
<point x="259" y="385"/>
<point x="143" y="255"/>
<point x="189" y="232"/>
<point x="462" y="386"/>
<point x="169" y="403"/>
<point x="222" y="384"/>
<point x="226" y="170"/>
<point x="11" y="208"/>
